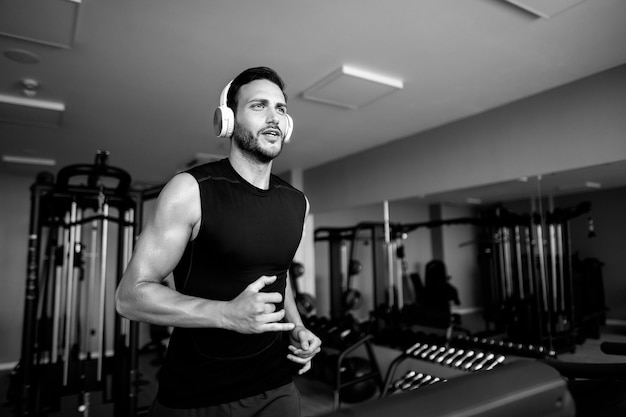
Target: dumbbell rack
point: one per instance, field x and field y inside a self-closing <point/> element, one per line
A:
<point x="375" y="374"/>
<point x="437" y="364"/>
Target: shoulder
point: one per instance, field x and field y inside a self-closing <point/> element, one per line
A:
<point x="180" y="198"/>
<point x="279" y="183"/>
<point x="182" y="185"/>
<point x="211" y="170"/>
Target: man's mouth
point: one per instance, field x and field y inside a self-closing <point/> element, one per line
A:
<point x="272" y="132"/>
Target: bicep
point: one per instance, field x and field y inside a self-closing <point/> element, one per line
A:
<point x="165" y="236"/>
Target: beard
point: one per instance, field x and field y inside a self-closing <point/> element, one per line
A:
<point x="249" y="145"/>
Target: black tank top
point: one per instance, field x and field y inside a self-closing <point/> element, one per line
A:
<point x="245" y="232"/>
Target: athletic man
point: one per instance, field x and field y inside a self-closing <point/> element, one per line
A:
<point x="228" y="230"/>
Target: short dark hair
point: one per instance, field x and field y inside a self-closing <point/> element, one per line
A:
<point x="246" y="77"/>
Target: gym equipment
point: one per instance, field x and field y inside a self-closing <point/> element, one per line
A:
<point x="347" y="360"/>
<point x="338" y="238"/>
<point x="598" y="389"/>
<point x="304" y="301"/>
<point x="66" y="342"/>
<point x="529" y="264"/>
<point x="356" y="369"/>
<point x="356" y="378"/>
<point x="525" y="388"/>
<point x="224" y="118"/>
<point x="352" y="298"/>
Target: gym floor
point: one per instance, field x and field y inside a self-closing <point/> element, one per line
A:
<point x="317" y="396"/>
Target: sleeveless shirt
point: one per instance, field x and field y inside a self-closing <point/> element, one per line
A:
<point x="245" y="232"/>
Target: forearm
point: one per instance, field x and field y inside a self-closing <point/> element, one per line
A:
<point x="291" y="309"/>
<point x="154" y="303"/>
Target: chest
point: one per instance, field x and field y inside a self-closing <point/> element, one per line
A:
<point x="251" y="230"/>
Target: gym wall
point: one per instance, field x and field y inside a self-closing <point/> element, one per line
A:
<point x="577" y="125"/>
<point x="14" y="225"/>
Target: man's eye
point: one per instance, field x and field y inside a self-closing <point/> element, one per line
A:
<point x="282" y="110"/>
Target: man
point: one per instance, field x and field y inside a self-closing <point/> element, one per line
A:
<point x="228" y="230"/>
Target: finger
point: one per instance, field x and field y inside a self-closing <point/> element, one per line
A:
<point x="298" y="359"/>
<point x="272" y="317"/>
<point x="276" y="327"/>
<point x="269" y="297"/>
<point x="315" y="343"/>
<point x="258" y="285"/>
<point x="305" y="368"/>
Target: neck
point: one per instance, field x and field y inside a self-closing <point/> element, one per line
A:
<point x="255" y="172"/>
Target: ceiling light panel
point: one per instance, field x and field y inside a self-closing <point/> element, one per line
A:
<point x="49" y="22"/>
<point x="30" y="111"/>
<point x="544" y="8"/>
<point x="28" y="160"/>
<point x="352" y="88"/>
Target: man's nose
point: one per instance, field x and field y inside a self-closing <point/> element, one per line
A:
<point x="273" y="116"/>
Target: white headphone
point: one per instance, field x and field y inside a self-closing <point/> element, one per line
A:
<point x="224" y="118"/>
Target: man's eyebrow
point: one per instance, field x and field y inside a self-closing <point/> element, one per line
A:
<point x="266" y="101"/>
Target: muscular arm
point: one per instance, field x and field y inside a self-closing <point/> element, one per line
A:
<point x="304" y="344"/>
<point x="141" y="296"/>
<point x="291" y="309"/>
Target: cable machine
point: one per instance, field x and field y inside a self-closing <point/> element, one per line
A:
<point x="82" y="229"/>
<point x="527" y="263"/>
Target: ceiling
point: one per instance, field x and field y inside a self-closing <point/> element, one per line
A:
<point x="141" y="79"/>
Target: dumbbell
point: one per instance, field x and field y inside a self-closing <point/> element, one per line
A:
<point x="397" y="385"/>
<point x="413" y="348"/>
<point x="422" y="382"/>
<point x="411" y="381"/>
<point x="455" y="356"/>
<point x="428" y="352"/>
<point x="470" y="364"/>
<point x="495" y="362"/>
<point x="447" y="354"/>
<point x="436" y="353"/>
<point x="466" y="357"/>
<point x="417" y="352"/>
<point x="479" y="365"/>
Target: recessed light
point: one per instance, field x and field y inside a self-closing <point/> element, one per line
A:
<point x="21" y="56"/>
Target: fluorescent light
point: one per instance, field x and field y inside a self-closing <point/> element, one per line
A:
<point x="32" y="102"/>
<point x="28" y="160"/>
<point x="373" y="77"/>
<point x="544" y="8"/>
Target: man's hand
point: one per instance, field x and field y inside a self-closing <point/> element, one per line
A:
<point x="252" y="311"/>
<point x="304" y="346"/>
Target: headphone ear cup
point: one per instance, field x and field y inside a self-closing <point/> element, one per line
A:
<point x="289" y="129"/>
<point x="223" y="122"/>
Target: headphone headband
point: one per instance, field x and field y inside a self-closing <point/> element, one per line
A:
<point x="224" y="95"/>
